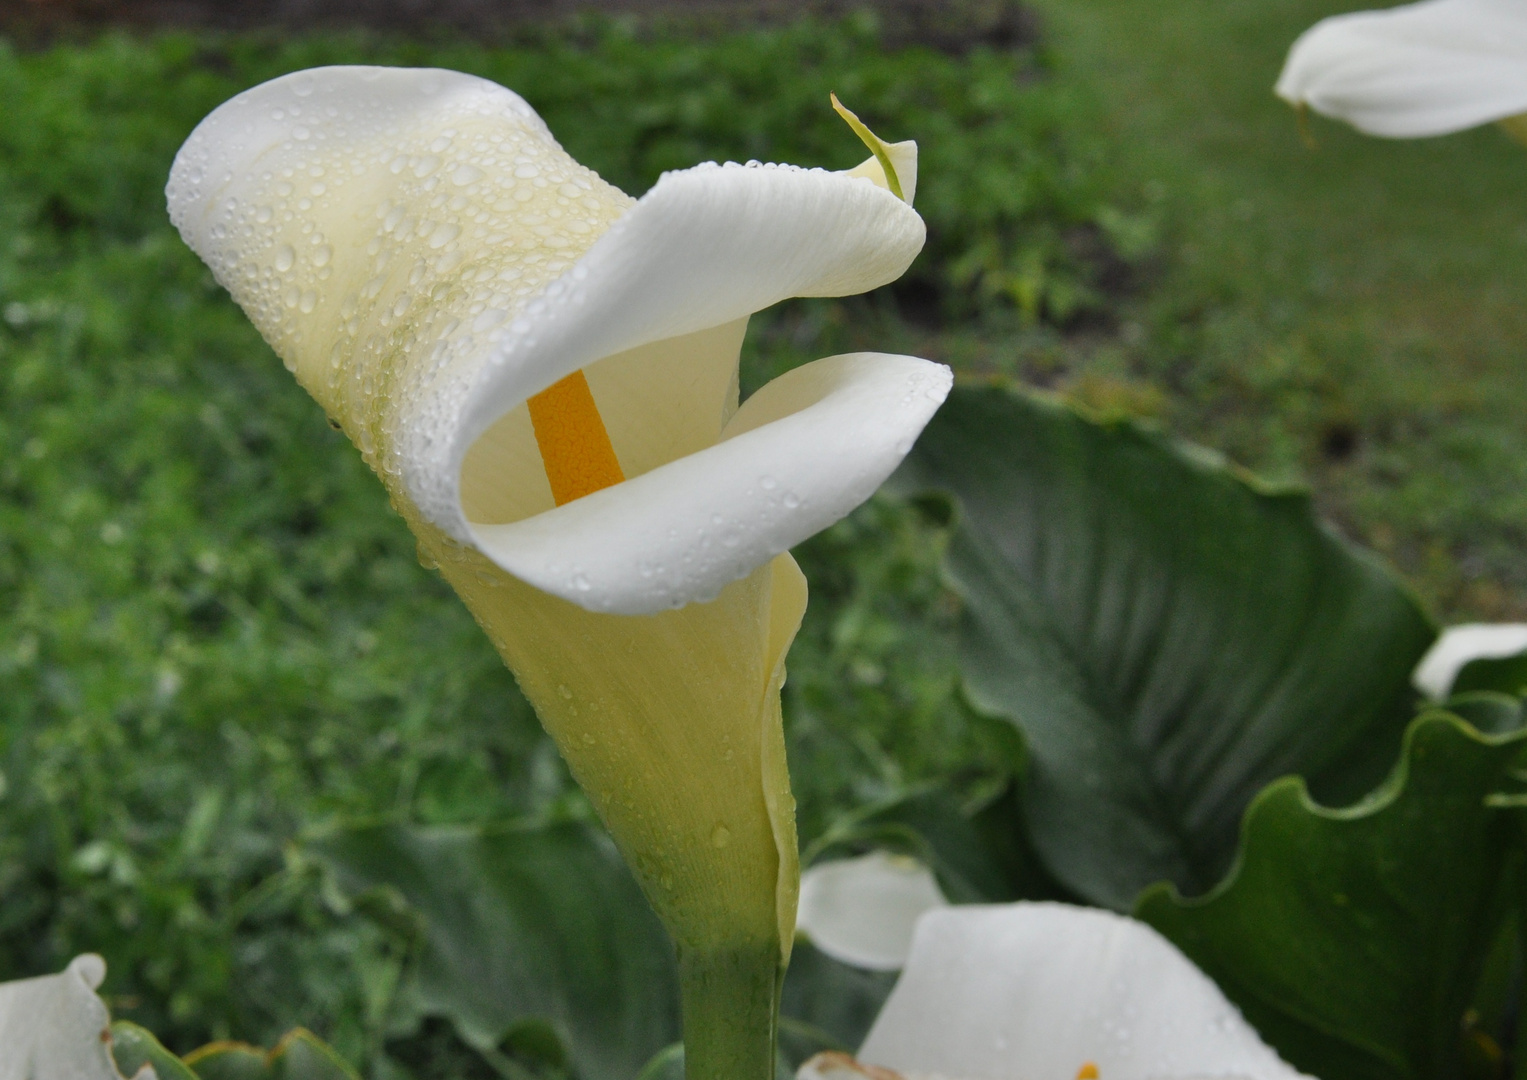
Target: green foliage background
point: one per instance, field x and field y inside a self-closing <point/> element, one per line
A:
<point x="214" y="636"/>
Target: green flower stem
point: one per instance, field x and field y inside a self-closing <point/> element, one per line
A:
<point x="730" y="1002"/>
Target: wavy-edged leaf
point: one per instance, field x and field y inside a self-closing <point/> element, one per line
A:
<point x="133" y="1047"/>
<point x="1353" y="939"/>
<point x="300" y="1055"/>
<point x="525" y="929"/>
<point x="1168" y="635"/>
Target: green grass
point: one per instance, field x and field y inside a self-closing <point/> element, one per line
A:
<point x="214" y="634"/>
<point x="1353" y="315"/>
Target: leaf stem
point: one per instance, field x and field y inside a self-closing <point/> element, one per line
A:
<point x="730" y="1002"/>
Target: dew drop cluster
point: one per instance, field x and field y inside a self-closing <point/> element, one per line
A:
<point x="379" y="239"/>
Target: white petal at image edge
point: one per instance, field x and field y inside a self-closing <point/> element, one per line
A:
<point x="1413" y="71"/>
<point x="863" y="911"/>
<point x="1019" y="991"/>
<point x="1460" y="644"/>
<point x="54" y="1027"/>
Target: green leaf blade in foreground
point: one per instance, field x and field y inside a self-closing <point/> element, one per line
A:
<point x="1353" y="939"/>
<point x="1168" y="637"/>
<point x="525" y="927"/>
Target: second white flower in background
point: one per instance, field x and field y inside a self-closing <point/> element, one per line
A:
<point x="1417" y="70"/>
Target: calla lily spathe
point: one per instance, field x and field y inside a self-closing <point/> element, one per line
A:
<point x="1416" y="70"/>
<point x="543" y="372"/>
<point x="1044" y="991"/>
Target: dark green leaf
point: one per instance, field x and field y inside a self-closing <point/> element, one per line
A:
<point x="1492" y="712"/>
<point x="300" y="1055"/>
<point x="1354" y="939"/>
<point x="979" y="854"/>
<point x="134" y="1047"/>
<point x="231" y="1061"/>
<point x="1168" y="635"/>
<point x="1505" y="674"/>
<point x="666" y="1064"/>
<point x="525" y="924"/>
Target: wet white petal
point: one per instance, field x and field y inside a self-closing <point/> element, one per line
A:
<point x="1458" y="645"/>
<point x="798" y="455"/>
<point x="862" y="911"/>
<point x="425" y="257"/>
<point x="1416" y="70"/>
<point x="1019" y="991"/>
<point x="830" y="1065"/>
<point x="55" y="1028"/>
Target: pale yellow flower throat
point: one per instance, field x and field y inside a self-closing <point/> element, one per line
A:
<point x="575" y="447"/>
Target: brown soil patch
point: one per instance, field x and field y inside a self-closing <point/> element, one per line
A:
<point x="948" y="25"/>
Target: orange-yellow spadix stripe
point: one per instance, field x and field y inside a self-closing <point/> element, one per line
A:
<point x="575" y="447"/>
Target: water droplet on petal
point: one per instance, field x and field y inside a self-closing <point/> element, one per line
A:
<point x="443" y="235"/>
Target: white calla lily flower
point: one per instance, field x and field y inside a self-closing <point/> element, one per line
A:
<point x="1042" y="991"/>
<point x="1458" y="645"/>
<point x="54" y="1027"/>
<point x="862" y="911"/>
<point x="429" y="261"/>
<point x="1417" y="70"/>
<point x="543" y="372"/>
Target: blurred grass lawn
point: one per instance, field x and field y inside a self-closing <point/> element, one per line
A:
<point x="1353" y="315"/>
<point x="213" y="633"/>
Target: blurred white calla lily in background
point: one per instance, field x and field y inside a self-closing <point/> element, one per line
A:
<point x="55" y="1027"/>
<point x="1416" y="70"/>
<point x="1029" y="991"/>
<point x="863" y="911"/>
<point x="1458" y="645"/>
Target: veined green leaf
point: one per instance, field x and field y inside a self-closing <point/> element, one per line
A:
<point x="980" y="854"/>
<point x="525" y="928"/>
<point x="1354" y="939"/>
<point x="1168" y="635"/>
